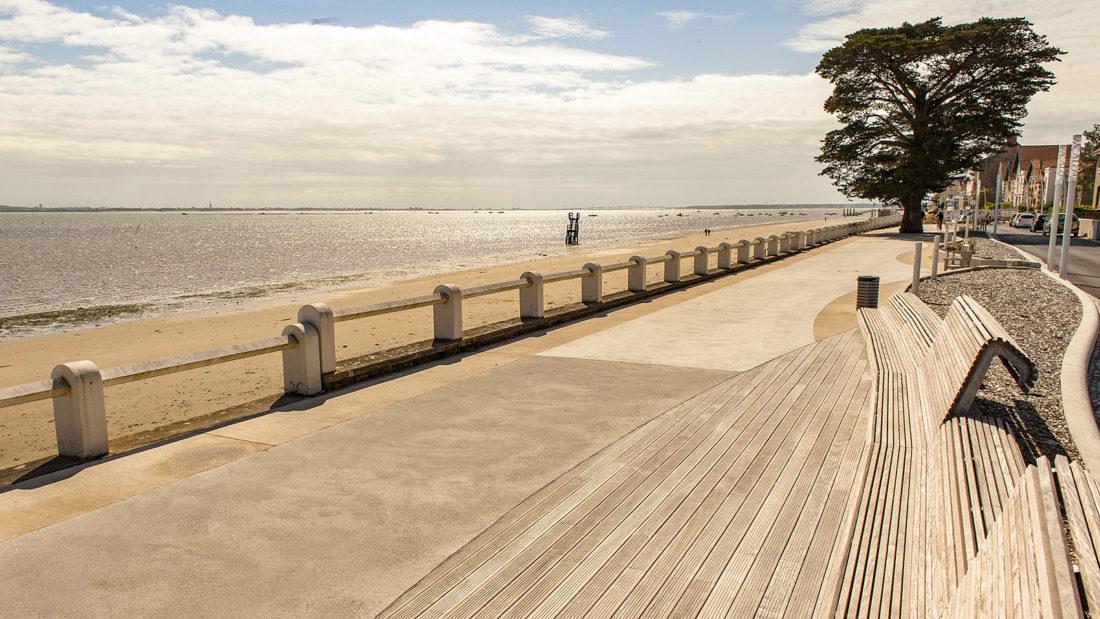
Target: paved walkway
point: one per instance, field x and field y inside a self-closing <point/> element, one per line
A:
<point x="343" y="503"/>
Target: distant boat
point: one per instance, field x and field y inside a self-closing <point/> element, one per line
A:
<point x="679" y="214"/>
<point x="593" y="215"/>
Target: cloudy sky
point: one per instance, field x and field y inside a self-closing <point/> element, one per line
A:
<point x="451" y="104"/>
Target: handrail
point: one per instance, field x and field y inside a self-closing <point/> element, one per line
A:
<point x="618" y="266"/>
<point x="308" y="346"/>
<point x="565" y="275"/>
<point x="484" y="289"/>
<point x="33" y="392"/>
<point x="171" y="365"/>
<point x="387" y="307"/>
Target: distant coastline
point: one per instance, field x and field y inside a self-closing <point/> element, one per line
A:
<point x="5" y="208"/>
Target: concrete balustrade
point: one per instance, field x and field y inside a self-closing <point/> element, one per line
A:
<point x="702" y="261"/>
<point x="725" y="256"/>
<point x="592" y="284"/>
<point x="308" y="347"/>
<point x="531" y="298"/>
<point x="672" y="266"/>
<point x="447" y="316"/>
<point x="80" y="416"/>
<point x="636" y="275"/>
<point x="321" y="317"/>
<point x="773" y="246"/>
<point x="759" y="248"/>
<point x="744" y="251"/>
<point x="302" y="363"/>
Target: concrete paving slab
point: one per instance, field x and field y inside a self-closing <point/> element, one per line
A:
<point x="742" y="325"/>
<point x="343" y="520"/>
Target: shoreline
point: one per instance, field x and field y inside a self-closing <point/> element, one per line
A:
<point x="26" y="431"/>
<point x="37" y="321"/>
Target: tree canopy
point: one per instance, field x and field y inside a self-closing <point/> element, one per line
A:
<point x="921" y="104"/>
<point x="1086" y="175"/>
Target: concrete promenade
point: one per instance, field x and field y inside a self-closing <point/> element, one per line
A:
<point x="340" y="504"/>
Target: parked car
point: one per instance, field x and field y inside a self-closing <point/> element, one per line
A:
<point x="1023" y="220"/>
<point x="1039" y="221"/>
<point x="1074" y="227"/>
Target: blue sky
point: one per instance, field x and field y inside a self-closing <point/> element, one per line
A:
<point x="725" y="37"/>
<point x="451" y="104"/>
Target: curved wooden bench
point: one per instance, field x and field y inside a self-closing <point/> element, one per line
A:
<point x="939" y="476"/>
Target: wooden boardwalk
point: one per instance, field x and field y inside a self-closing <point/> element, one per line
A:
<point x="735" y="502"/>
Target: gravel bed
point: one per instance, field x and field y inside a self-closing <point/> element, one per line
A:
<point x="1041" y="315"/>
<point x="990" y="249"/>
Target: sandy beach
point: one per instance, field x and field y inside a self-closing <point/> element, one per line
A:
<point x="138" y="411"/>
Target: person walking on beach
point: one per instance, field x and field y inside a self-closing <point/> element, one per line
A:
<point x="939" y="219"/>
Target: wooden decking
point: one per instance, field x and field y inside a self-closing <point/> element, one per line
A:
<point x="735" y="502"/>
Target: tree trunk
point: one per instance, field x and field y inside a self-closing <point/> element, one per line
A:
<point x="912" y="219"/>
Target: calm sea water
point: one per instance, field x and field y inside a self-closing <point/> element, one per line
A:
<point x="62" y="271"/>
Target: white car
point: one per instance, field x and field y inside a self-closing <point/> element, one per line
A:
<point x="1023" y="220"/>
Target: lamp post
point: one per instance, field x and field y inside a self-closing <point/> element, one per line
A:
<point x="1071" y="194"/>
<point x="1058" y="180"/>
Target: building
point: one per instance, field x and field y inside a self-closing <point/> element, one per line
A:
<point x="1026" y="173"/>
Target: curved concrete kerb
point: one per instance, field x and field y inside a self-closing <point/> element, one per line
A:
<point x="80" y="417"/>
<point x="531" y="298"/>
<point x="1076" y="404"/>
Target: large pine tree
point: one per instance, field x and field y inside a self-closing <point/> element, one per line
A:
<point x="923" y="103"/>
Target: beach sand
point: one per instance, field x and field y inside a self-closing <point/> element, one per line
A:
<point x="145" y="410"/>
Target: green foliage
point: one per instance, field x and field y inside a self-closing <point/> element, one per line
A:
<point x="922" y="103"/>
<point x="1086" y="172"/>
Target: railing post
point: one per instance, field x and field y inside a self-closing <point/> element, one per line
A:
<point x="760" y="248"/>
<point x="773" y="246"/>
<point x="302" y="364"/>
<point x="320" y="317"/>
<point x="592" y="284"/>
<point x="635" y="275"/>
<point x="672" y="266"/>
<point x="702" y="261"/>
<point x="725" y="256"/>
<point x="810" y="238"/>
<point x="801" y="240"/>
<point x="784" y="243"/>
<point x="744" y="247"/>
<point x="80" y="416"/>
<point x="936" y="240"/>
<point x="447" y="316"/>
<point x="916" y="267"/>
<point x="531" y="299"/>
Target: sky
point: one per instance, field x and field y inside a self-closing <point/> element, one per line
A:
<point x="453" y="104"/>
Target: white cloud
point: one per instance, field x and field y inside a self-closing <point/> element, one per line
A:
<point x="678" y="20"/>
<point x="1054" y="116"/>
<point x="564" y="27"/>
<point x="194" y="104"/>
<point x="10" y="56"/>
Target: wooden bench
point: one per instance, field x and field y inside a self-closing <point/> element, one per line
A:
<point x="938" y="475"/>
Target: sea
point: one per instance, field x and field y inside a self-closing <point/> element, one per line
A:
<point x="69" y="270"/>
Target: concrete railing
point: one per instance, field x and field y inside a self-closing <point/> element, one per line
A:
<point x="308" y="347"/>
